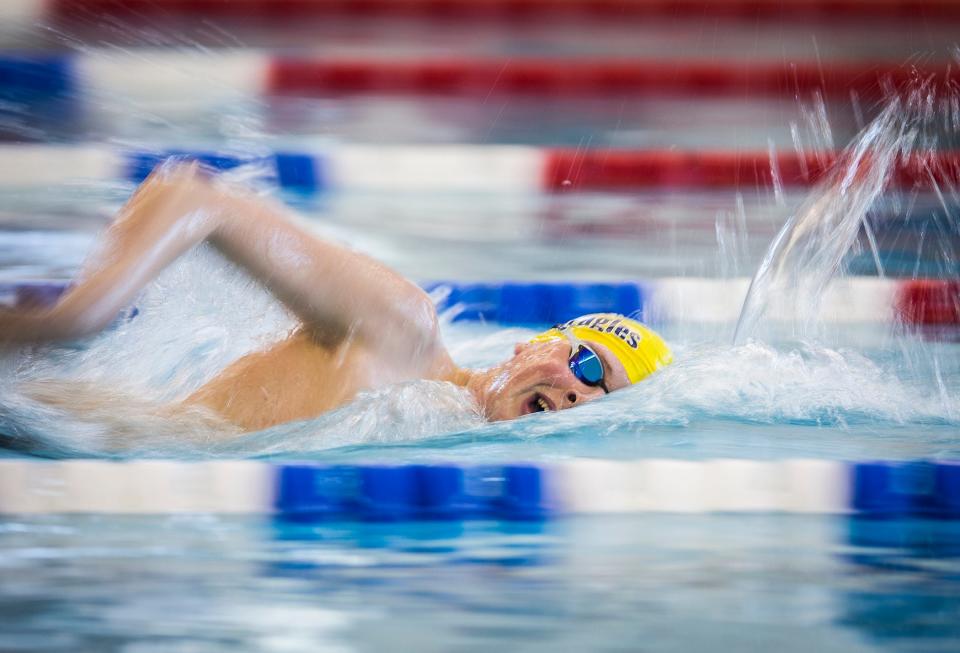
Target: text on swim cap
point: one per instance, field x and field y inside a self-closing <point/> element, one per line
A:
<point x="607" y="325"/>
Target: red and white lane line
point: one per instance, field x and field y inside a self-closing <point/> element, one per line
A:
<point x="471" y="168"/>
<point x="849" y="300"/>
<point x="156" y="74"/>
<point x="513" y="10"/>
<point x="24" y="12"/>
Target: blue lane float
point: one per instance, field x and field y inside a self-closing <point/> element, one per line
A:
<point x="535" y="302"/>
<point x="885" y="489"/>
<point x="400" y="493"/>
<point x="36" y="78"/>
<point x="300" y="173"/>
<point x="38" y="98"/>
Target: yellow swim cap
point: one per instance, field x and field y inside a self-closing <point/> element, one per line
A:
<point x="641" y="351"/>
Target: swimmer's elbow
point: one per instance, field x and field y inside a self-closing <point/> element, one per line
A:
<point x="428" y="323"/>
<point x="400" y="322"/>
<point x="419" y="317"/>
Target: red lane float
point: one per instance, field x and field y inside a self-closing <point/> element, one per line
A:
<point x="584" y="170"/>
<point x="929" y="302"/>
<point x="519" y="10"/>
<point x="557" y="76"/>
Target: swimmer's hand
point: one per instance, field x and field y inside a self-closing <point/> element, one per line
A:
<point x="337" y="294"/>
<point x="172" y="211"/>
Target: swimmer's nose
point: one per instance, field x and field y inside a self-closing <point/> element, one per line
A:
<point x="572" y="398"/>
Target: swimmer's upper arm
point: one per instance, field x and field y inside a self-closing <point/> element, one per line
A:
<point x="336" y="292"/>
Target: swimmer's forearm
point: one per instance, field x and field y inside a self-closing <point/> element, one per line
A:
<point x="15" y="327"/>
<point x="337" y="291"/>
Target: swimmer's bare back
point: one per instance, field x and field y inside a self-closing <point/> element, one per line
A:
<point x="363" y="325"/>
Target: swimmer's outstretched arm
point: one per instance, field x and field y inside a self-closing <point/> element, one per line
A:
<point x="337" y="293"/>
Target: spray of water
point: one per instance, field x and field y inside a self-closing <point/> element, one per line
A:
<point x="110" y="395"/>
<point x="808" y="251"/>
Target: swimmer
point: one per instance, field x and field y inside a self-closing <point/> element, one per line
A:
<point x="362" y="325"/>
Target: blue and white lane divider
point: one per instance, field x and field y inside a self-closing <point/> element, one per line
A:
<point x="851" y="300"/>
<point x="307" y="171"/>
<point x="446" y="491"/>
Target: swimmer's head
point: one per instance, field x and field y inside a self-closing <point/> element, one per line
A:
<point x="570" y="364"/>
<point x="636" y="347"/>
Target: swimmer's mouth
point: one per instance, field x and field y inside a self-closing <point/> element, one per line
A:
<point x="538" y="403"/>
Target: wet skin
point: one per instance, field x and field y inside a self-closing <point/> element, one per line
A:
<point x="363" y="326"/>
<point x="539" y="377"/>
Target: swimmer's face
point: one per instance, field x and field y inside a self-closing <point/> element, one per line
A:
<point x="538" y="378"/>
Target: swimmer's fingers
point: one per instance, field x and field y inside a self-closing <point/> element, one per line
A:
<point x="150" y="191"/>
<point x="172" y="175"/>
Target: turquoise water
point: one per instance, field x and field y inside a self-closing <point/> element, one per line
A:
<point x="850" y="392"/>
<point x="800" y="389"/>
<point x="657" y="582"/>
<point x="618" y="583"/>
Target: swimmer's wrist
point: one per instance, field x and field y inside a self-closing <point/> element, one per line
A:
<point x="18" y="326"/>
<point x="30" y="326"/>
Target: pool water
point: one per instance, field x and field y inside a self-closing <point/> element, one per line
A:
<point x="614" y="583"/>
<point x="656" y="582"/>
<point x="837" y="391"/>
<point x="845" y="392"/>
<point x="757" y="387"/>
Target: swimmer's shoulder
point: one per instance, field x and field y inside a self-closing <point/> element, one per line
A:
<point x="295" y="378"/>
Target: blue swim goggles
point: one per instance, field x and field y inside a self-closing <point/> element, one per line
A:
<point x="584" y="362"/>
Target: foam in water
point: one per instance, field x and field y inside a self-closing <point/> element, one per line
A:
<point x="110" y="395"/>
